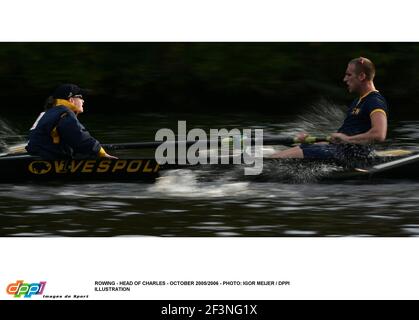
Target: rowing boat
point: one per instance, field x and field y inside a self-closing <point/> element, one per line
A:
<point x="392" y="164"/>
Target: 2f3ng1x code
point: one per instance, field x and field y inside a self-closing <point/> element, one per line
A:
<point x="221" y="309"/>
<point x="210" y="309"/>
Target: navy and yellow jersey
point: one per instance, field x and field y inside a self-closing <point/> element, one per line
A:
<point x="58" y="134"/>
<point x="358" y="117"/>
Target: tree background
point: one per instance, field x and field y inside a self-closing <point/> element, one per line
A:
<point x="277" y="78"/>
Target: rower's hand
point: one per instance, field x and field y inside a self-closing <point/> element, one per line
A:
<point x="301" y="137"/>
<point x="338" y="137"/>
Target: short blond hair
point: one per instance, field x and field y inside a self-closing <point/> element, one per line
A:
<point x="364" y="65"/>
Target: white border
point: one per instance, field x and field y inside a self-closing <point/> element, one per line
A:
<point x="215" y="20"/>
<point x="317" y="268"/>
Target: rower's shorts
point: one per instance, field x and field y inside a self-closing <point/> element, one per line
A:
<point x="340" y="152"/>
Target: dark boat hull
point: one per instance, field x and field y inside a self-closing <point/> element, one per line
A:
<point x="25" y="168"/>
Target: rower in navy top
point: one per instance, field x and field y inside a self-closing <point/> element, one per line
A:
<point x="358" y="117"/>
<point x="58" y="134"/>
<point x="364" y="125"/>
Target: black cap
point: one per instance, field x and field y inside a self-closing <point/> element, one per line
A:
<point x="68" y="90"/>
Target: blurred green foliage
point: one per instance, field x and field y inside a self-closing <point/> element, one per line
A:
<point x="204" y="77"/>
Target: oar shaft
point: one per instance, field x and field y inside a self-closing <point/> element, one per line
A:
<point x="143" y="145"/>
<point x="266" y="141"/>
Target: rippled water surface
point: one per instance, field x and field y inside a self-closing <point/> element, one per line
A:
<point x="213" y="202"/>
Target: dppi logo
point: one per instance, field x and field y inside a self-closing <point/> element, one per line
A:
<point x="26" y="289"/>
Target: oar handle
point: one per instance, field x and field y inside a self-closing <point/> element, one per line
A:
<point x="295" y="140"/>
<point x="312" y="139"/>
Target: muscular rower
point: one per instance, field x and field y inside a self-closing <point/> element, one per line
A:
<point x="364" y="125"/>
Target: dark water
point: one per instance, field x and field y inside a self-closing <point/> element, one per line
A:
<point x="211" y="202"/>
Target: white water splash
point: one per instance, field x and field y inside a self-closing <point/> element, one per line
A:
<point x="184" y="183"/>
<point x="321" y="118"/>
<point x="9" y="137"/>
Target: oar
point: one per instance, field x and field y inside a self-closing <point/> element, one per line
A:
<point x="387" y="166"/>
<point x="288" y="141"/>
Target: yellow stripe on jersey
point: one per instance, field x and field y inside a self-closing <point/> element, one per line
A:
<point x="378" y="110"/>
